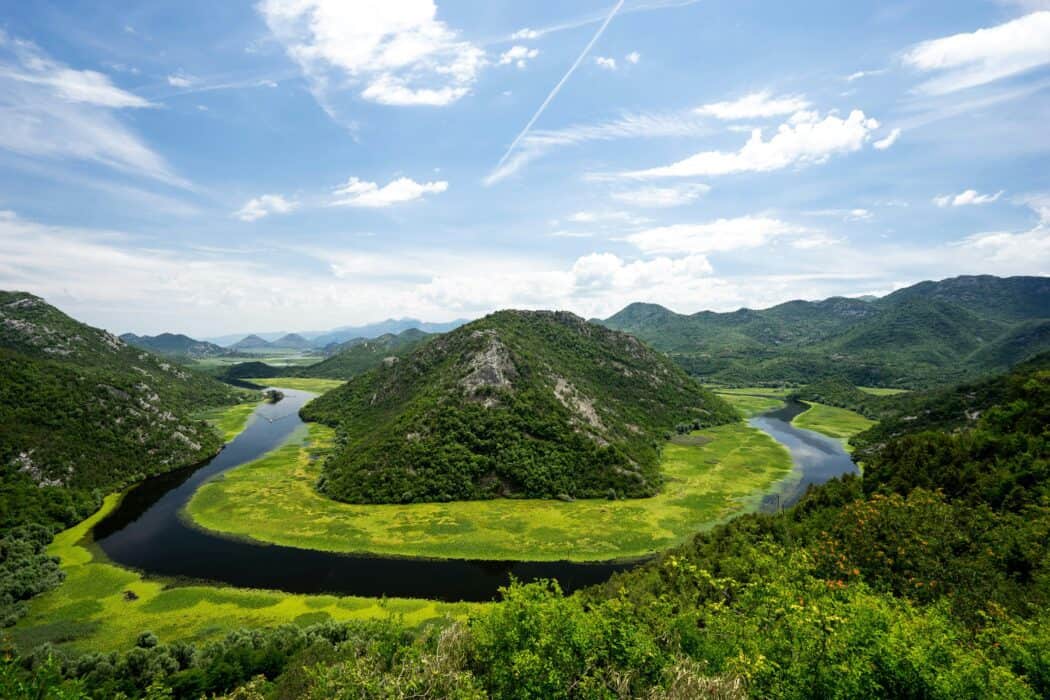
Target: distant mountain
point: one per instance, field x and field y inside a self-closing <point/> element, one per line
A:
<point x="931" y="332"/>
<point x="360" y="355"/>
<point x="82" y="412"/>
<point x="374" y="330"/>
<point x="291" y="341"/>
<point x="519" y="403"/>
<point x="251" y="342"/>
<point x="174" y="345"/>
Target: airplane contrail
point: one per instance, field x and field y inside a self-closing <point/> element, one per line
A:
<point x="557" y="88"/>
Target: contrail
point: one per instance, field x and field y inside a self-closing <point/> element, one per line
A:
<point x="557" y="88"/>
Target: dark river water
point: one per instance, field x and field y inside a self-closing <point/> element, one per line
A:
<point x="145" y="532"/>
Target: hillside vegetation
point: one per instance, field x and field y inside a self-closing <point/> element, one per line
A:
<point x="525" y="404"/>
<point x="357" y="356"/>
<point x="930" y="333"/>
<point x="81" y="414"/>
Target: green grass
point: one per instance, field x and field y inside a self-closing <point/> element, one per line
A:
<point x="834" y="422"/>
<point x="270" y="357"/>
<point x="751" y="405"/>
<point x="317" y="386"/>
<point x="230" y="420"/>
<point x="90" y="611"/>
<point x="273" y="500"/>
<point x="880" y="391"/>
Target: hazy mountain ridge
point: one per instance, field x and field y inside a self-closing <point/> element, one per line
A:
<point x="536" y="404"/>
<point x="174" y="345"/>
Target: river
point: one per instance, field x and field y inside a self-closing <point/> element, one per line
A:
<point x="146" y="532"/>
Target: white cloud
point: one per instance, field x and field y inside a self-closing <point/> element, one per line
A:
<point x="863" y="74"/>
<point x="518" y="55"/>
<point x="966" y="198"/>
<point x="606" y="217"/>
<point x="640" y="125"/>
<point x="848" y="215"/>
<point x="816" y="241"/>
<point x="804" y="139"/>
<point x="890" y="139"/>
<point x="633" y="58"/>
<point x="525" y="33"/>
<point x="398" y="50"/>
<point x="605" y="271"/>
<point x="180" y="81"/>
<point x="55" y="112"/>
<point x="754" y="106"/>
<point x="360" y="193"/>
<point x="605" y="62"/>
<point x="673" y="196"/>
<point x="718" y="236"/>
<point x="975" y="58"/>
<point x="260" y="207"/>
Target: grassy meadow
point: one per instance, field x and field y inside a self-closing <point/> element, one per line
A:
<point x="273" y="500"/>
<point x="838" y="423"/>
<point x="881" y="391"/>
<point x="230" y="420"/>
<point x="103" y="607"/>
<point x="317" y="386"/>
<point x="751" y="405"/>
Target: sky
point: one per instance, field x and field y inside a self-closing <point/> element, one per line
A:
<point x="217" y="167"/>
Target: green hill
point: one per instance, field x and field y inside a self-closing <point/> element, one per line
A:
<point x="929" y="333"/>
<point x="81" y="411"/>
<point x="174" y="345"/>
<point x="358" y="356"/>
<point x="526" y="404"/>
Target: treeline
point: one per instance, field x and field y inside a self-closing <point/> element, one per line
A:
<point x="928" y="579"/>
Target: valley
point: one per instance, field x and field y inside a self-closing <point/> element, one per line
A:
<point x="432" y="488"/>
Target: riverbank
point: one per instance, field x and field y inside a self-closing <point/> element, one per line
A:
<point x="273" y="500"/>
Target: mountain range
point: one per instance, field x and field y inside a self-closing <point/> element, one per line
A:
<point x="931" y="332"/>
<point x="174" y="345"/>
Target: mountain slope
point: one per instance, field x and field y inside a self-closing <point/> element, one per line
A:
<point x="374" y="330"/>
<point x="536" y="404"/>
<point x="251" y="342"/>
<point x="360" y="355"/>
<point x="931" y="332"/>
<point x="291" y="341"/>
<point x="174" y="345"/>
<point x="82" y="410"/>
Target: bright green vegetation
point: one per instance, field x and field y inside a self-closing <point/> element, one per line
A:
<point x="230" y="420"/>
<point x="709" y="479"/>
<point x="838" y="423"/>
<point x="929" y="579"/>
<point x="81" y="414"/>
<point x="519" y="403"/>
<point x="316" y="386"/>
<point x="930" y="333"/>
<point x="882" y="391"/>
<point x="751" y="405"/>
<point x="103" y="607"/>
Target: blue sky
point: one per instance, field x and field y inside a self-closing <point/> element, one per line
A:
<point x="211" y="167"/>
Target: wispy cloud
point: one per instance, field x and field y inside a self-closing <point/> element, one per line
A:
<point x="628" y="126"/>
<point x="518" y="55"/>
<point x="887" y="141"/>
<point x="975" y="58"/>
<point x="716" y="236"/>
<point x="754" y="105"/>
<point x="554" y="92"/>
<point x="671" y="196"/>
<point x="53" y="111"/>
<point x="606" y="62"/>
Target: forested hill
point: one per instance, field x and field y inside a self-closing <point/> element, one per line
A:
<point x="174" y="345"/>
<point x="362" y="354"/>
<point x="538" y="404"/>
<point x="932" y="332"/>
<point x="81" y="410"/>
